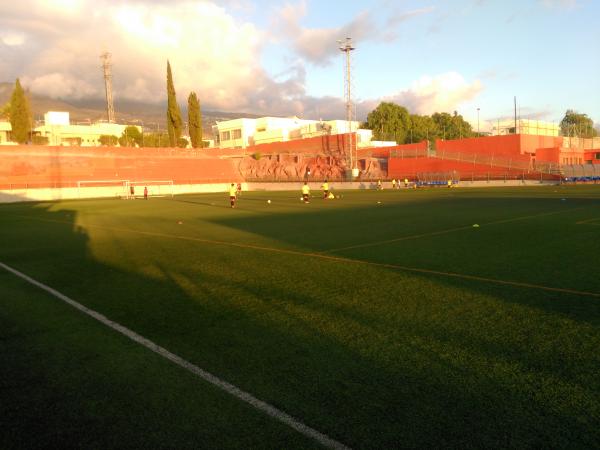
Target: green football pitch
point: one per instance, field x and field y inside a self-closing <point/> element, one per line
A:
<point x="380" y="319"/>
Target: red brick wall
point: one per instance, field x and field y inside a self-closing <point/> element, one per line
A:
<point x="64" y="166"/>
<point x="590" y="155"/>
<point x="502" y="146"/>
<point x="547" y="154"/>
<point x="410" y="167"/>
<point x="386" y="152"/>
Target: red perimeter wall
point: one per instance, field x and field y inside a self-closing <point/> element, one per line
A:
<point x="551" y="154"/>
<point x="518" y="146"/>
<point x="590" y="155"/>
<point x="64" y="166"/>
<point x="410" y="167"/>
<point x="319" y="145"/>
<point x="418" y="148"/>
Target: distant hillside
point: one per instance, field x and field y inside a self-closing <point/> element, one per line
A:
<point x="150" y="114"/>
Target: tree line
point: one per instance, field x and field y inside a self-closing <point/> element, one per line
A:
<point x="392" y="122"/>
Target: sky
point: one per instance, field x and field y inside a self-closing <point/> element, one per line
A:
<point x="282" y="58"/>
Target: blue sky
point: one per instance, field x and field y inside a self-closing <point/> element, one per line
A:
<point x="281" y="58"/>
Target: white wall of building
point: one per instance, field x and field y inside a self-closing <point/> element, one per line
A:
<point x="525" y="126"/>
<point x="58" y="129"/>
<point x="5" y="129"/>
<point x="241" y="133"/>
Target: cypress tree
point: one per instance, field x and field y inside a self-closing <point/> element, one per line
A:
<point x="195" y="120"/>
<point x="20" y="115"/>
<point x="173" y="113"/>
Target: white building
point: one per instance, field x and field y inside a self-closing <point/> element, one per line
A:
<point x="242" y="133"/>
<point x="5" y="129"/>
<point x="58" y="129"/>
<point x="525" y="126"/>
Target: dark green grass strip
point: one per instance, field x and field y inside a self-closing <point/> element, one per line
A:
<point x="341" y="259"/>
<point x="264" y="407"/>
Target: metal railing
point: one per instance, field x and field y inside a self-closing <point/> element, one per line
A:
<point x="509" y="163"/>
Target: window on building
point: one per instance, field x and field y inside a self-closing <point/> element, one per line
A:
<point x="237" y="134"/>
<point x="597" y="155"/>
<point x="225" y="136"/>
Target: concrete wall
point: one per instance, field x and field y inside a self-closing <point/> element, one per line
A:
<point x="50" y="194"/>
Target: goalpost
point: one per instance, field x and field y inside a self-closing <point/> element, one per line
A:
<point x="156" y="188"/>
<point x="120" y="185"/>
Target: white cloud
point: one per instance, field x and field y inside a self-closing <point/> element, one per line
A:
<point x="444" y="92"/>
<point x="211" y="52"/>
<point x="318" y="45"/>
<point x="12" y="39"/>
<point x="59" y="85"/>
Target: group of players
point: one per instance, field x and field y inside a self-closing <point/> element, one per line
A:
<point x="395" y="184"/>
<point x="235" y="190"/>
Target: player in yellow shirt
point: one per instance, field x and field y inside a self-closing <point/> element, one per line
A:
<point x="406" y="182"/>
<point x="232" y="194"/>
<point x="325" y="187"/>
<point x="393" y="183"/>
<point x="305" y="192"/>
<point x="449" y="183"/>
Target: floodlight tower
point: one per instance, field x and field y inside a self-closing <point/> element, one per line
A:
<point x="106" y="67"/>
<point x="346" y="47"/>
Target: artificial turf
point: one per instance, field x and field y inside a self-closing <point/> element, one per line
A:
<point x="349" y="314"/>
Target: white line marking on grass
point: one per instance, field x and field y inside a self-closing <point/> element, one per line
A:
<point x="336" y="258"/>
<point x="589" y="221"/>
<point x="262" y="406"/>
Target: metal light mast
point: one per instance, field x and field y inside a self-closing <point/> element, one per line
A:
<point x="106" y="65"/>
<point x="346" y="47"/>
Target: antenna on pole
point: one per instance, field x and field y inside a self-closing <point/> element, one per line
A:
<point x="346" y="47"/>
<point x="106" y="66"/>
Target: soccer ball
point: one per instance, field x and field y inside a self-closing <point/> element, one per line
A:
<point x="301" y="198"/>
<point x="269" y="201"/>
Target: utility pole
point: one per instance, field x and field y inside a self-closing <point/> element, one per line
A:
<point x="515" y="114"/>
<point x="346" y="47"/>
<point x="106" y="67"/>
<point x="478" y="135"/>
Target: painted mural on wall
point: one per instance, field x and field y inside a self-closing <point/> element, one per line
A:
<point x="298" y="167"/>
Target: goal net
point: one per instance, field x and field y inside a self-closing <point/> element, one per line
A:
<point x="156" y="188"/>
<point x="99" y="188"/>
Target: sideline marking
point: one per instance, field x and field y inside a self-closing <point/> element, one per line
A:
<point x="206" y="376"/>
<point x="338" y="258"/>
<point x="440" y="232"/>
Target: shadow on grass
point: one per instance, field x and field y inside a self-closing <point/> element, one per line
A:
<point x="375" y="366"/>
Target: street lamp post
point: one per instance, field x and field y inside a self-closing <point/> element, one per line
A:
<point x="477" y="122"/>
